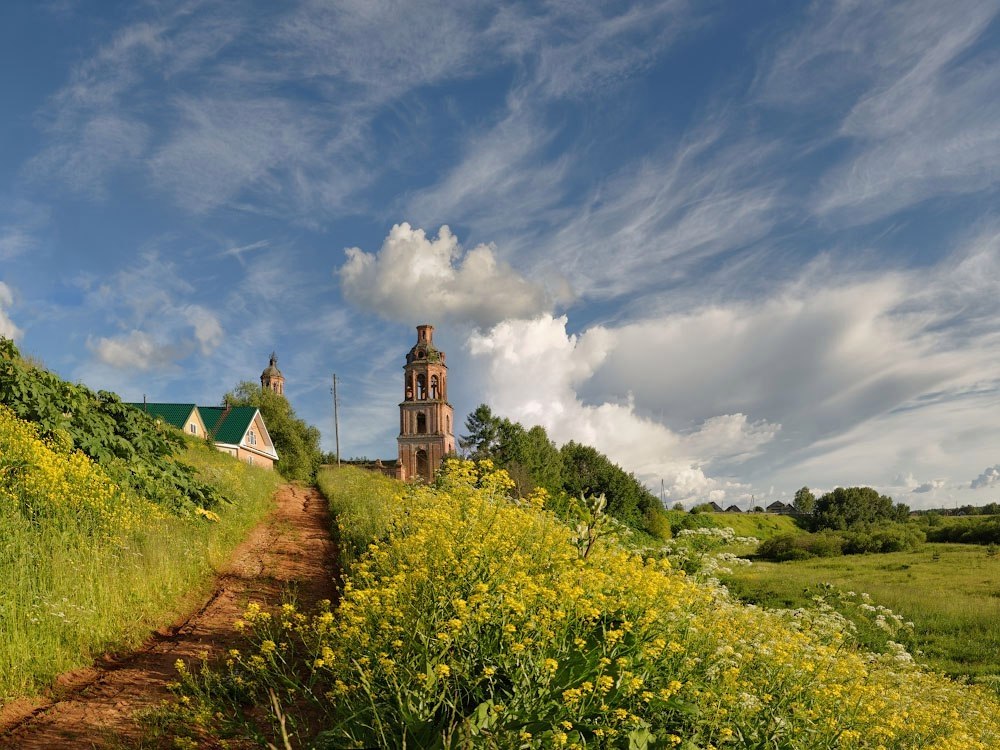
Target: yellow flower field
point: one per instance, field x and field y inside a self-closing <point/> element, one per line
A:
<point x="475" y="621"/>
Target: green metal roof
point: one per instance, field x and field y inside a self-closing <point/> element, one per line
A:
<point x="227" y="427"/>
<point x="174" y="414"/>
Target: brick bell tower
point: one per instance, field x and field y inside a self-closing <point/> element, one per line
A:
<point x="272" y="379"/>
<point x="425" y="416"/>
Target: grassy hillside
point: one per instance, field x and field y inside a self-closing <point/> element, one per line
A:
<point x="87" y="563"/>
<point x="471" y="619"/>
<point x="760" y="525"/>
<point x="951" y="593"/>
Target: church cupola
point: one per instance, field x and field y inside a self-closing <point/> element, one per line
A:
<point x="425" y="416"/>
<point x="272" y="379"/>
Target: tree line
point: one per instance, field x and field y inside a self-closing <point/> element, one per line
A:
<point x="574" y="470"/>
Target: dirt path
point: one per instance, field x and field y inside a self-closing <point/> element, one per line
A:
<point x="96" y="707"/>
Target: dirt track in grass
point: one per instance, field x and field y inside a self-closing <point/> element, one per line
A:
<point x="291" y="552"/>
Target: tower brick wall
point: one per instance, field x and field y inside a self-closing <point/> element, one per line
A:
<point x="426" y="419"/>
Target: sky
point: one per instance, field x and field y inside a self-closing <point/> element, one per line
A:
<point x="738" y="247"/>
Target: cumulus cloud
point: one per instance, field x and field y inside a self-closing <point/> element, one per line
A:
<point x="989" y="478"/>
<point x="135" y="350"/>
<point x="534" y="370"/>
<point x="415" y="277"/>
<point x="7" y="327"/>
<point x="869" y="376"/>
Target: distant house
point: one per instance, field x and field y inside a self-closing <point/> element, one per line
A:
<point x="714" y="507"/>
<point x="184" y="417"/>
<point x="783" y="508"/>
<point x="238" y="430"/>
<point x="733" y="509"/>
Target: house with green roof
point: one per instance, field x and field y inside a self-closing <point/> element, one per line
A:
<point x="240" y="431"/>
<point x="186" y="417"/>
<point x="237" y="430"/>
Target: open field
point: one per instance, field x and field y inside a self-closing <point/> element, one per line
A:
<point x="951" y="592"/>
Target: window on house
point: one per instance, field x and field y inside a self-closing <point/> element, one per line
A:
<point x="193" y="428"/>
<point x="252" y="437"/>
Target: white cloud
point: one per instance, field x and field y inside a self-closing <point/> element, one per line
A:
<point x="134" y="350"/>
<point x="14" y="241"/>
<point x="417" y="278"/>
<point x="207" y="328"/>
<point x="149" y="300"/>
<point x="7" y="327"/>
<point x="869" y="375"/>
<point x="534" y="370"/>
<point x="989" y="478"/>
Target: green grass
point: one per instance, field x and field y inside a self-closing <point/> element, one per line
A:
<point x="66" y="596"/>
<point x="360" y="501"/>
<point x="951" y="592"/>
<point x="761" y="525"/>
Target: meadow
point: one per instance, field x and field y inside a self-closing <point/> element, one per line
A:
<point x="951" y="593"/>
<point x="89" y="566"/>
<point x="470" y="618"/>
<point x="760" y="525"/>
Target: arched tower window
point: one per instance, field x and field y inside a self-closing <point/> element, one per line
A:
<point x="423" y="465"/>
<point x="421" y="387"/>
<point x="435" y="394"/>
<point x="421" y="423"/>
<point x="447" y="423"/>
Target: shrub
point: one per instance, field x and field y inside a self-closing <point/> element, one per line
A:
<point x="967" y="531"/>
<point x="882" y="539"/>
<point x="794" y="546"/>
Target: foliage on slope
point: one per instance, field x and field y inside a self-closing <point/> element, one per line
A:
<point x="131" y="447"/>
<point x="87" y="563"/>
<point x="472" y="620"/>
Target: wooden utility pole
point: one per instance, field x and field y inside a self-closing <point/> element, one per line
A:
<point x="336" y="423"/>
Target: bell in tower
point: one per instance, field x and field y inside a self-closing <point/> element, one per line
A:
<point x="425" y="416"/>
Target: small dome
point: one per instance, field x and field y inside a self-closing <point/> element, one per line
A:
<point x="272" y="371"/>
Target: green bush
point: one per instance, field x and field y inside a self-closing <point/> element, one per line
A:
<point x="871" y="539"/>
<point x="967" y="531"/>
<point x="132" y="448"/>
<point x="793" y="546"/>
<point x="881" y="539"/>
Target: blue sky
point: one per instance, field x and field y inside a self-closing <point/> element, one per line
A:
<point x="739" y="247"/>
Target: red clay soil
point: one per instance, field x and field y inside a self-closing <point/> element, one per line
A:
<point x="290" y="552"/>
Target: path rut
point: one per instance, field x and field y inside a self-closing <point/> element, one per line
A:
<point x="290" y="552"/>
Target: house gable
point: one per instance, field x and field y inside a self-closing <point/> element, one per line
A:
<point x="240" y="428"/>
